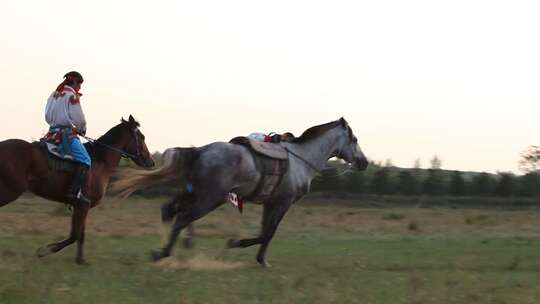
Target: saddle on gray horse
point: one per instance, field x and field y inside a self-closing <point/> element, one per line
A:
<point x="271" y="160"/>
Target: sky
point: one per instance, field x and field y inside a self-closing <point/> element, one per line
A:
<point x="457" y="79"/>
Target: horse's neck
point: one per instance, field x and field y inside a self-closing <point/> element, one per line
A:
<point x="317" y="151"/>
<point x="109" y="159"/>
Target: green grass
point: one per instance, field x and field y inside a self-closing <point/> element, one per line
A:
<point x="309" y="270"/>
<point x="318" y="263"/>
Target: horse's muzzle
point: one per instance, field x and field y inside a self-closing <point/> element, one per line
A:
<point x="361" y="164"/>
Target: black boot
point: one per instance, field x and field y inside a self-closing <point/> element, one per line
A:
<point x="75" y="189"/>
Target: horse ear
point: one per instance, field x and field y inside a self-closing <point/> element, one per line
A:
<point x="131" y="119"/>
<point x="343" y="121"/>
<point x="122" y="120"/>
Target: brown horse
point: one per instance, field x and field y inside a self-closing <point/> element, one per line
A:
<point x="24" y="166"/>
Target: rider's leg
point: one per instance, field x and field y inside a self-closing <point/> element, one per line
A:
<point x="75" y="190"/>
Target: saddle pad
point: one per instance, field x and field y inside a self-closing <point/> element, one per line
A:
<point x="272" y="150"/>
<point x="55" y="162"/>
<point x="53" y="149"/>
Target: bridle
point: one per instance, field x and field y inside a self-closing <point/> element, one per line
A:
<point x="351" y="142"/>
<point x="123" y="153"/>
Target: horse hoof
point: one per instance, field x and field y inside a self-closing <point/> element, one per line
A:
<point x="43" y="251"/>
<point x="157" y="255"/>
<point x="262" y="261"/>
<point x="232" y="243"/>
<point x="265" y="264"/>
<point x="82" y="262"/>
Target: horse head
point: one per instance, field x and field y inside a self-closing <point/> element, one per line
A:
<point x="348" y="148"/>
<point x="135" y="146"/>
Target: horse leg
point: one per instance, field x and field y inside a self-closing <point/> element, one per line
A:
<point x="188" y="237"/>
<point x="273" y="213"/>
<point x="188" y="214"/>
<point x="271" y="221"/>
<point x="80" y="211"/>
<point x="171" y="208"/>
<point x="80" y="243"/>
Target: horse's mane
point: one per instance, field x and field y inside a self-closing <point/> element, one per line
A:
<point x="316" y="131"/>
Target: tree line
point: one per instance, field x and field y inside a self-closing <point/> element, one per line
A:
<point x="387" y="179"/>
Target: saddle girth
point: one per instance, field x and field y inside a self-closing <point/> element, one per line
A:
<point x="272" y="162"/>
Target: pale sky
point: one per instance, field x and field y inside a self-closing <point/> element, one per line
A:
<point x="459" y="79"/>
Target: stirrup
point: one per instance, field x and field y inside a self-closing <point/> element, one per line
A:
<point x="79" y="198"/>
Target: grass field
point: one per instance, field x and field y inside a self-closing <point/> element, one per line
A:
<point x="322" y="253"/>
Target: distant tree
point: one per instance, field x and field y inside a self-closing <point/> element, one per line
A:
<point x="482" y="184"/>
<point x="457" y="184"/>
<point x="434" y="182"/>
<point x="530" y="184"/>
<point x="408" y="184"/>
<point x="436" y="162"/>
<point x="328" y="181"/>
<point x="355" y="182"/>
<point x="417" y="164"/>
<point x="530" y="159"/>
<point x="507" y="185"/>
<point x="157" y="157"/>
<point x="388" y="163"/>
<point x="380" y="183"/>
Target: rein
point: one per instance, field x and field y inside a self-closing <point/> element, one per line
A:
<point x="347" y="170"/>
<point x="123" y="153"/>
<point x="303" y="159"/>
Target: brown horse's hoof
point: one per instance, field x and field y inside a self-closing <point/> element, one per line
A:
<point x="158" y="255"/>
<point x="44" y="251"/>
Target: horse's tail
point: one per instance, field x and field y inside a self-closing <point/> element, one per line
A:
<point x="176" y="161"/>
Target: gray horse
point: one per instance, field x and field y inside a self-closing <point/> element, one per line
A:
<point x="219" y="168"/>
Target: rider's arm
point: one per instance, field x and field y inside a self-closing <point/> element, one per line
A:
<point x="48" y="111"/>
<point x="76" y="114"/>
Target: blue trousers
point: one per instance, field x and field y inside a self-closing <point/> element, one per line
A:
<point x="79" y="153"/>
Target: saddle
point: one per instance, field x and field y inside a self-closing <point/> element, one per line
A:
<point x="271" y="160"/>
<point x="272" y="150"/>
<point x="56" y="160"/>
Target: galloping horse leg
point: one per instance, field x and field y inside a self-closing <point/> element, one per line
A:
<point x="171" y="208"/>
<point x="80" y="241"/>
<point x="188" y="237"/>
<point x="188" y="214"/>
<point x="78" y="219"/>
<point x="272" y="215"/>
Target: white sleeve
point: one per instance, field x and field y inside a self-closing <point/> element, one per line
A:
<point x="48" y="110"/>
<point x="76" y="116"/>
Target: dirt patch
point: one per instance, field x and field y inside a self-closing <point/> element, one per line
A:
<point x="199" y="262"/>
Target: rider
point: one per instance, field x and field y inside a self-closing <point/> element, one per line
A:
<point x="66" y="120"/>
